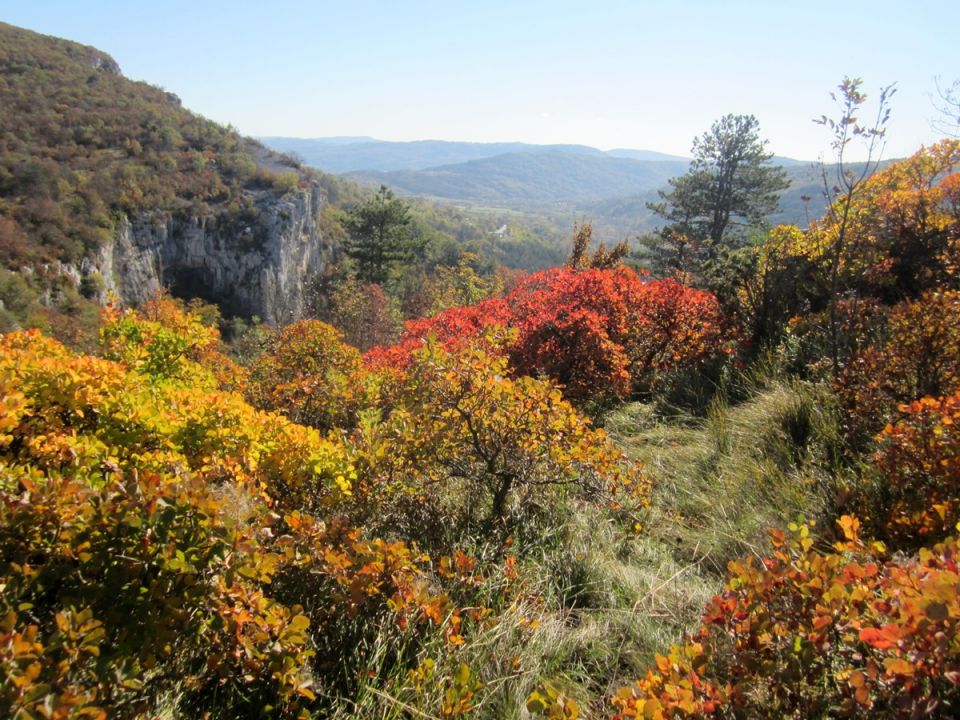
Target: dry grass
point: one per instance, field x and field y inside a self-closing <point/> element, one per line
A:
<point x="610" y="598"/>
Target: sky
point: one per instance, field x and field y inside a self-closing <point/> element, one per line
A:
<point x="606" y="73"/>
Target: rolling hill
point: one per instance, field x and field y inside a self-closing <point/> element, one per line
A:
<point x="549" y="179"/>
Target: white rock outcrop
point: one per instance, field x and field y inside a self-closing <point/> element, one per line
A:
<point x="249" y="266"/>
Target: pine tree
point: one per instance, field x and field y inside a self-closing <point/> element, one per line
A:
<point x="729" y="188"/>
<point x="380" y="236"/>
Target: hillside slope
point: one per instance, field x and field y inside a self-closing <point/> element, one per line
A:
<point x="331" y="155"/>
<point x="112" y="183"/>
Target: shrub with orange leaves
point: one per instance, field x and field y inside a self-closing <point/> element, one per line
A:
<point x="917" y="355"/>
<point x="573" y="327"/>
<point x="897" y="240"/>
<point x="898" y="233"/>
<point x="311" y="375"/>
<point x="163" y="544"/>
<point x="454" y="328"/>
<point x="905" y="221"/>
<point x="674" y="328"/>
<point x="817" y="633"/>
<point x="117" y="593"/>
<point x="917" y="492"/>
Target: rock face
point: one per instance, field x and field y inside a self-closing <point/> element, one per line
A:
<point x="254" y="263"/>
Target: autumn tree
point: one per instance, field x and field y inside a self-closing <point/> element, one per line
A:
<point x="467" y="444"/>
<point x="363" y="312"/>
<point x="459" y="285"/>
<point x="380" y="235"/>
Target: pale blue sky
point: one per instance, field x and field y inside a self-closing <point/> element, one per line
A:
<point x="605" y="73"/>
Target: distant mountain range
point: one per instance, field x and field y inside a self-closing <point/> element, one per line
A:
<point x="610" y="188"/>
<point x="362" y="154"/>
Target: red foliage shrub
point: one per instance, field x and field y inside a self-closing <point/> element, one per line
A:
<point x="597" y="332"/>
<point x="574" y="327"/>
<point x="674" y="327"/>
<point x="453" y="328"/>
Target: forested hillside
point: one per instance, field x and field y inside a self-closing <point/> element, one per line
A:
<point x="533" y="179"/>
<point x="349" y="155"/>
<point x="80" y="143"/>
<point x="110" y="186"/>
<point x="610" y="189"/>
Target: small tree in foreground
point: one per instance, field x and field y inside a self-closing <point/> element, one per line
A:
<point x="465" y="443"/>
<point x="847" y="183"/>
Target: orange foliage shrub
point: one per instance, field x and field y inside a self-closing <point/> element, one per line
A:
<point x="919" y="465"/>
<point x="898" y="240"/>
<point x="454" y="328"/>
<point x="906" y="220"/>
<point x="573" y="328"/>
<point x="899" y="231"/>
<point x="806" y="633"/>
<point x="155" y="542"/>
<point x="311" y="375"/>
<point x="918" y="355"/>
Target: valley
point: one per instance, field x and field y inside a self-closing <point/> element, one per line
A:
<point x="564" y="184"/>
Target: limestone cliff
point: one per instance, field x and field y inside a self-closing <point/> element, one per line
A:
<point x="249" y="266"/>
